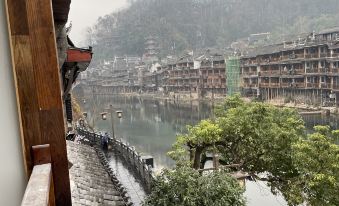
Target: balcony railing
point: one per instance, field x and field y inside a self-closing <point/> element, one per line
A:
<point x="312" y="56"/>
<point x="292" y="85"/>
<point x="335" y="86"/>
<point x="270" y="72"/>
<point x="334" y="55"/>
<point x="325" y="85"/>
<point x="264" y="84"/>
<point x="39" y="190"/>
<point x="250" y="73"/>
<point x="293" y="72"/>
<point x="317" y="70"/>
<point x="312" y="85"/>
<point x="299" y="84"/>
<point x="334" y="70"/>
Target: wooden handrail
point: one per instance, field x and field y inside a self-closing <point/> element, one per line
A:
<point x="40" y="187"/>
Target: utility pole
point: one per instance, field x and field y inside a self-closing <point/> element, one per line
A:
<point x="111" y="110"/>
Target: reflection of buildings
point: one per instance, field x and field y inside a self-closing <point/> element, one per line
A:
<point x="150" y="125"/>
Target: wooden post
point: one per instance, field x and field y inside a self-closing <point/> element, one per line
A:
<point x="37" y="79"/>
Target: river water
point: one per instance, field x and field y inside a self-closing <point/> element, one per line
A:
<point x="152" y="125"/>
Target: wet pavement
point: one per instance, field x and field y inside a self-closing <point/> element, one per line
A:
<point x="90" y="183"/>
<point x="126" y="177"/>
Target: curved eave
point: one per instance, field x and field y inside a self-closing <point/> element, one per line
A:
<point x="61" y="10"/>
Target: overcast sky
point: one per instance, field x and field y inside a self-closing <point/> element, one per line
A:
<point x="84" y="13"/>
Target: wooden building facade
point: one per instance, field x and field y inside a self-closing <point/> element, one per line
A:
<point x="306" y="69"/>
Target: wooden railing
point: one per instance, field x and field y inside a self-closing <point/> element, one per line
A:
<point x="270" y="72"/>
<point x="40" y="188"/>
<point x="293" y="72"/>
<point x="334" y="70"/>
<point x="251" y="73"/>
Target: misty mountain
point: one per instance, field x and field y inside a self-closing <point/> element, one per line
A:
<point x="180" y="25"/>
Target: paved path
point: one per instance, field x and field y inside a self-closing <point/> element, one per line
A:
<point x="125" y="176"/>
<point x="90" y="183"/>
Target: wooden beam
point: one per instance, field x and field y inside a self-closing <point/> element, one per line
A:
<point x="38" y="87"/>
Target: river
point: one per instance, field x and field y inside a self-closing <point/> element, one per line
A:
<point x="152" y="125"/>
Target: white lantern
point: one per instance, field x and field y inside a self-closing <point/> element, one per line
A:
<point x="119" y="113"/>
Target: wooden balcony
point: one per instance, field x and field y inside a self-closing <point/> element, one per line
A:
<point x="334" y="70"/>
<point x="317" y="70"/>
<point x="285" y="85"/>
<point x="312" y="56"/>
<point x="312" y="85"/>
<point x="264" y="84"/>
<point x="293" y="72"/>
<point x="292" y="56"/>
<point x="252" y="73"/>
<point x="299" y="84"/>
<point x="334" y="55"/>
<point x="252" y="85"/>
<point x="293" y="85"/>
<point x="325" y="85"/>
<point x="274" y="85"/>
<point x="270" y="72"/>
<point x="324" y="55"/>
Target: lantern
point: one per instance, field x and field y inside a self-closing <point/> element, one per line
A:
<point x="119" y="113"/>
<point x="104" y="115"/>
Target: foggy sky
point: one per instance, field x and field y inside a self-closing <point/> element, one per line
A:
<point x="84" y="13"/>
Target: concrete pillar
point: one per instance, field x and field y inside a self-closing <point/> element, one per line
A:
<point x="12" y="173"/>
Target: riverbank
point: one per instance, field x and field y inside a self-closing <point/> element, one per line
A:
<point x="304" y="107"/>
<point x="181" y="98"/>
<point x="186" y="99"/>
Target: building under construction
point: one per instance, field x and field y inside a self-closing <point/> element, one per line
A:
<point x="303" y="71"/>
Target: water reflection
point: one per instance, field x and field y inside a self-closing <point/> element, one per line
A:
<point x="152" y="125"/>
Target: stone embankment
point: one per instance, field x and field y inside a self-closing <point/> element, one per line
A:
<point x="92" y="181"/>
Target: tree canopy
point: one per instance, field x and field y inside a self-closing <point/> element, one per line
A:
<point x="263" y="139"/>
<point x="185" y="186"/>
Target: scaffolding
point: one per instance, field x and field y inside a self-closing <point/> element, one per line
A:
<point x="233" y="75"/>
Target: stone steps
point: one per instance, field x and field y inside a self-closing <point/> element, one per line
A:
<point x="92" y="182"/>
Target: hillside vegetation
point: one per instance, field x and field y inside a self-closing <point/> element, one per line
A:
<point x="191" y="24"/>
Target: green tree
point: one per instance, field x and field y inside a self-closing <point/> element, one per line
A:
<point x="262" y="139"/>
<point x="185" y="186"/>
<point x="316" y="159"/>
<point x="198" y="140"/>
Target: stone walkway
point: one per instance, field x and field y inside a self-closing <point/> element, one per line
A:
<point x="126" y="177"/>
<point x="90" y="183"/>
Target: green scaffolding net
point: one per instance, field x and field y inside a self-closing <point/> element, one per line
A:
<point x="233" y="75"/>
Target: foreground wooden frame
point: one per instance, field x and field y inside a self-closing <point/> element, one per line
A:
<point x="38" y="88"/>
